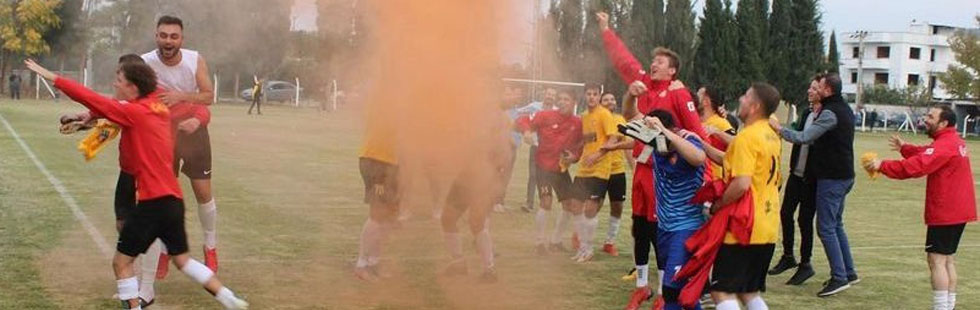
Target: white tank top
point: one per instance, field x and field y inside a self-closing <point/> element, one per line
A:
<point x="182" y="77"/>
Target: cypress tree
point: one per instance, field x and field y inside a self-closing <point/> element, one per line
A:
<point x="833" y="57"/>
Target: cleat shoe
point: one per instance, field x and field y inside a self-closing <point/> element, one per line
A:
<point x="365" y="275"/>
<point x="499" y="208"/>
<point x="640" y="295"/>
<point x="211" y="259"/>
<point x="144" y="303"/>
<point x="610" y="248"/>
<point x="457" y="267"/>
<point x="235" y="304"/>
<point x="630" y="276"/>
<point x="803" y="272"/>
<point x="576" y="244"/>
<point x="586" y="256"/>
<point x="541" y="250"/>
<point x="833" y="287"/>
<point x="489" y="276"/>
<point x="163" y="266"/>
<point x="658" y="304"/>
<point x="785" y="263"/>
<point x="527" y="208"/>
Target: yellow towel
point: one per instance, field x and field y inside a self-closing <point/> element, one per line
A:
<point x="103" y="132"/>
<point x="866" y="159"/>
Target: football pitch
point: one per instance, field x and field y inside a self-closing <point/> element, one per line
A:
<point x="289" y="196"/>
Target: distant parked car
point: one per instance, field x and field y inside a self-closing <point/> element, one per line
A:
<point x="281" y="91"/>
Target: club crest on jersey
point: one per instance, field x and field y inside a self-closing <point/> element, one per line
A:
<point x="690" y="106"/>
<point x="963" y="150"/>
<point x="929" y="151"/>
<point x="663" y="94"/>
<point x="159" y="108"/>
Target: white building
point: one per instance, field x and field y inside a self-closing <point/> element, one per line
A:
<point x="898" y="59"/>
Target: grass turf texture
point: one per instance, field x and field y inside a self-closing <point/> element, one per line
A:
<point x="290" y="212"/>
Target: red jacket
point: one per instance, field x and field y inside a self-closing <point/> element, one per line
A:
<point x="146" y="127"/>
<point x="950" y="197"/>
<point x="705" y="243"/>
<point x="557" y="133"/>
<point x="178" y="112"/>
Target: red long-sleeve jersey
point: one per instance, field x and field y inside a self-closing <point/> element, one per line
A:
<point x="146" y="128"/>
<point x="950" y="193"/>
<point x="557" y="133"/>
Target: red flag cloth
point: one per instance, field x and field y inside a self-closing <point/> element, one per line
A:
<point x="704" y="244"/>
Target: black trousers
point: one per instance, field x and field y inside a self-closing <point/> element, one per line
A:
<point x="800" y="193"/>
<point x="256" y="103"/>
<point x="644" y="238"/>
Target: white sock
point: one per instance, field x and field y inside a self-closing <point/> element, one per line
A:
<point x="561" y="225"/>
<point x="756" y="304"/>
<point x="484" y="245"/>
<point x="591" y="224"/>
<point x="148" y="269"/>
<point x="227" y="298"/>
<point x="731" y="304"/>
<point x="642" y="275"/>
<point x="208" y="214"/>
<point x="660" y="285"/>
<point x="952" y="300"/>
<point x="541" y="224"/>
<point x="613" y="229"/>
<point x="197" y="271"/>
<point x="370" y="234"/>
<point x="579" y="226"/>
<point x="453" y="244"/>
<point x="128" y="288"/>
<point x="940" y="300"/>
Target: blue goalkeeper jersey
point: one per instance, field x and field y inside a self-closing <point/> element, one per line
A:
<point x="675" y="185"/>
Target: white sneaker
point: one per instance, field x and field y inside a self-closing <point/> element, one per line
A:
<point x="499" y="208"/>
<point x="235" y="304"/>
<point x="586" y="256"/>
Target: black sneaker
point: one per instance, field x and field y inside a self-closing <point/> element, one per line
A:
<point x="803" y="272"/>
<point x="527" y="208"/>
<point x="853" y="279"/>
<point x="785" y="263"/>
<point x="144" y="303"/>
<point x="832" y="287"/>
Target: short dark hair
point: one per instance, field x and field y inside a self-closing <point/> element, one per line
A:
<point x="833" y="80"/>
<point x="130" y="58"/>
<point x="597" y="86"/>
<point x="664" y="116"/>
<point x="769" y="97"/>
<point x="947" y="114"/>
<point x="141" y="75"/>
<point x="675" y="61"/>
<point x="717" y="101"/>
<point x="819" y="77"/>
<point x="170" y="20"/>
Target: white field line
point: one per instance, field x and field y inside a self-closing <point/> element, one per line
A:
<point x="63" y="192"/>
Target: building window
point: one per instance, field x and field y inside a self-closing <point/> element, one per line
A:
<point x="932" y="54"/>
<point x="932" y="82"/>
<point x="855" y="52"/>
<point x="854" y="77"/>
<point x="913" y="79"/>
<point x="884" y="51"/>
<point x="914" y="53"/>
<point x="881" y="78"/>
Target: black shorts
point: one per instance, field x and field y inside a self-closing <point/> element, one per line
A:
<point x="944" y="239"/>
<point x="741" y="269"/>
<point x="555" y="183"/>
<point x="192" y="154"/>
<point x="380" y="181"/>
<point x="125" y="195"/>
<point x="151" y="219"/>
<point x="617" y="187"/>
<point x="590" y="188"/>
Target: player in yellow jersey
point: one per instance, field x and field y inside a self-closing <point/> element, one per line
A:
<point x="617" y="177"/>
<point x="592" y="178"/>
<point x="720" y="131"/>
<point x="379" y="170"/>
<point x="751" y="165"/>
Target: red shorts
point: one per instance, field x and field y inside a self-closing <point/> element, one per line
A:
<point x="644" y="197"/>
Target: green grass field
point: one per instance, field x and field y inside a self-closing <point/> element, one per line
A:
<point x="289" y="199"/>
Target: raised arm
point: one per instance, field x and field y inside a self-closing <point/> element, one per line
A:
<point x="108" y="107"/>
<point x="824" y="122"/>
<point x="628" y="67"/>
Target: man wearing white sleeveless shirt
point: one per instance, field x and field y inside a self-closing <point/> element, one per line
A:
<point x="183" y="75"/>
